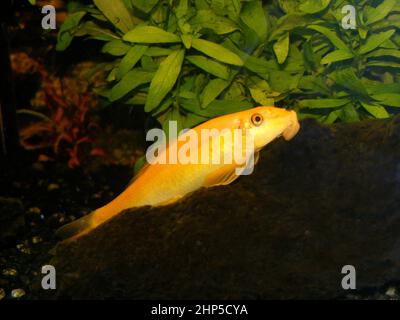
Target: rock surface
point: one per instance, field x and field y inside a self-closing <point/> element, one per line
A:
<point x="328" y="198"/>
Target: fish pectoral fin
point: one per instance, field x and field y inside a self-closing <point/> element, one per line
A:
<point x="222" y="176"/>
<point x="256" y="157"/>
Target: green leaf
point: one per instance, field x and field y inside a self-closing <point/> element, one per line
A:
<point x="332" y="117"/>
<point x="134" y="54"/>
<point x="384" y="53"/>
<point x="381" y="88"/>
<point x="331" y="35"/>
<point x="252" y="63"/>
<point x="209" y="20"/>
<point x="217" y="51"/>
<point x="148" y="64"/>
<point x="149" y="34"/>
<point x="216" y="108"/>
<point x="212" y="90"/>
<point x="377" y="111"/>
<point x="164" y="79"/>
<point x="384" y="64"/>
<point x="375" y="40"/>
<point x="373" y="15"/>
<point x="157" y="52"/>
<point x="281" y="48"/>
<point x="289" y="23"/>
<point x="96" y="31"/>
<point x="336" y="56"/>
<point x="144" y="5"/>
<point x="65" y="35"/>
<point x="322" y="103"/>
<point x="187" y="40"/>
<point x="139" y="164"/>
<point x="130" y="81"/>
<point x="253" y="16"/>
<point x="222" y="107"/>
<point x="217" y="69"/>
<point x="117" y="13"/>
<point x="388" y="99"/>
<point x="314" y="6"/>
<point x="349" y="81"/>
<point x="116" y="48"/>
<point x="349" y="114"/>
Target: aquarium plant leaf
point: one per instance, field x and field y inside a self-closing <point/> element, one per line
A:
<point x="377" y="111"/>
<point x="253" y="15"/>
<point x="348" y="80"/>
<point x="323" y="103"/>
<point x="65" y="35"/>
<point x="95" y="31"/>
<point x="331" y="35"/>
<point x="144" y="5"/>
<point x="134" y="54"/>
<point x="116" y="48"/>
<point x="212" y="90"/>
<point x="157" y="51"/>
<point x="117" y="13"/>
<point x="313" y="6"/>
<point x="164" y="79"/>
<point x="349" y="113"/>
<point x="217" y="51"/>
<point x="281" y="48"/>
<point x="336" y="56"/>
<point x="150" y="34"/>
<point x="375" y="40"/>
<point x="373" y="15"/>
<point x="212" y="67"/>
<point x="215" y="108"/>
<point x="388" y="99"/>
<point x="379" y="53"/>
<point x="207" y="19"/>
<point x="130" y="81"/>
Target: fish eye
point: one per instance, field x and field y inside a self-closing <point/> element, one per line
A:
<point x="257" y="119"/>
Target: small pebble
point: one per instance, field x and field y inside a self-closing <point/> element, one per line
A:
<point x="34" y="210"/>
<point x="38" y="166"/>
<point x="23" y="248"/>
<point x="2" y="293"/>
<point x="10" y="272"/>
<point x="97" y="195"/>
<point x="17" y="293"/>
<point x="53" y="186"/>
<point x="391" y="292"/>
<point x="36" y="239"/>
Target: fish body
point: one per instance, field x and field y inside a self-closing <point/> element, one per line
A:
<point x="164" y="183"/>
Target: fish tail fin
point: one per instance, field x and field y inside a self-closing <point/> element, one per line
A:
<point x="77" y="228"/>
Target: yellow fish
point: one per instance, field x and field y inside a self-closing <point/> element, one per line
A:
<point x="163" y="183"/>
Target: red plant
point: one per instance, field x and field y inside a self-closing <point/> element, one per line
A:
<point x="66" y="128"/>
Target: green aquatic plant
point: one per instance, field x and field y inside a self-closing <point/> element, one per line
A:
<point x="191" y="60"/>
<point x="349" y="74"/>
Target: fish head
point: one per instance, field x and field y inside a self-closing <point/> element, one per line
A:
<point x="269" y="123"/>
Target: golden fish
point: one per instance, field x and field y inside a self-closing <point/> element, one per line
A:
<point x="164" y="183"/>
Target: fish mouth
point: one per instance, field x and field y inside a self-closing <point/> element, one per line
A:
<point x="293" y="128"/>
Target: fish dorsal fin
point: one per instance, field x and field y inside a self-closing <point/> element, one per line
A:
<point x="222" y="176"/>
<point x="137" y="176"/>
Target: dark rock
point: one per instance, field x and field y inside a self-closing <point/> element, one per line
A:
<point x="12" y="220"/>
<point x="328" y="198"/>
